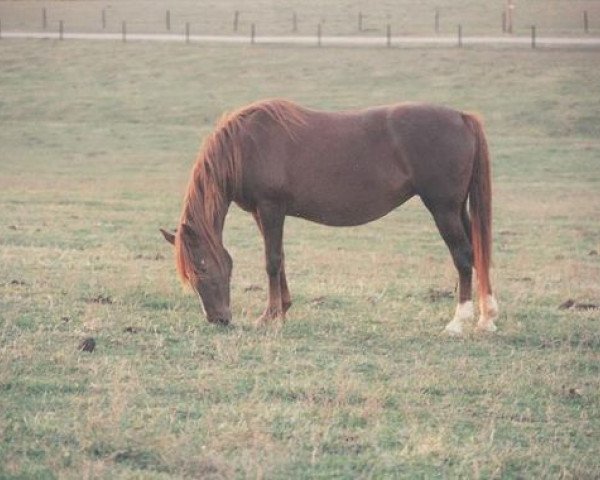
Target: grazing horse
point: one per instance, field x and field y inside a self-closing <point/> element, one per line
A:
<point x="275" y="158"/>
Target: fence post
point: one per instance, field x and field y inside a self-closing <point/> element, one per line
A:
<point x="60" y="29"/>
<point x="168" y="20"/>
<point x="236" y="18"/>
<point x="437" y="20"/>
<point x="0" y="29"/>
<point x="533" y="36"/>
<point x="252" y="34"/>
<point x="460" y="42"/>
<point x="103" y="19"/>
<point x="187" y="32"/>
<point x="388" y="33"/>
<point x="360" y="21"/>
<point x="44" y="19"/>
<point x="319" y="34"/>
<point x="124" y="31"/>
<point x="509" y="16"/>
<point x="585" y="21"/>
<point x="503" y="22"/>
<point x="294" y="22"/>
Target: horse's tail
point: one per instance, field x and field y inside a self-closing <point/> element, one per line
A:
<point x="480" y="208"/>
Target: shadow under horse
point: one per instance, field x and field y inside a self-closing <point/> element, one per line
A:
<point x="275" y="159"/>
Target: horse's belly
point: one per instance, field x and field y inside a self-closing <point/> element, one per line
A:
<point x="339" y="218"/>
<point x="346" y="205"/>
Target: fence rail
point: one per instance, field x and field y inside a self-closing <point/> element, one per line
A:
<point x="320" y="40"/>
<point x="362" y="28"/>
<point x="408" y="21"/>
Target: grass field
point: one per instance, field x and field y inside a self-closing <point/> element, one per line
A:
<point x="97" y="141"/>
<point x="338" y="17"/>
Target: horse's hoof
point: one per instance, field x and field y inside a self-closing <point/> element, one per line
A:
<point x="286" y="306"/>
<point x="454" y="328"/>
<point x="492" y="307"/>
<point x="453" y="332"/>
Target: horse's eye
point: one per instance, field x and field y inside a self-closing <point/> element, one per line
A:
<point x="203" y="268"/>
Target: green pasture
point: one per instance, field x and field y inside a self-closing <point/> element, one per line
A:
<point x="337" y="17"/>
<point x="96" y="144"/>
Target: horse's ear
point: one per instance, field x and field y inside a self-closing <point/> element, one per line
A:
<point x="169" y="237"/>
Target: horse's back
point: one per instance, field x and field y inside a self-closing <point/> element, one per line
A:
<point x="345" y="172"/>
<point x="347" y="168"/>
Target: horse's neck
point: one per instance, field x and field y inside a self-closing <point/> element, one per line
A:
<point x="219" y="219"/>
<point x="207" y="219"/>
<point x="215" y="218"/>
<point x="211" y="202"/>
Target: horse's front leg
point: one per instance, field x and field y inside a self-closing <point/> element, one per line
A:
<point x="270" y="218"/>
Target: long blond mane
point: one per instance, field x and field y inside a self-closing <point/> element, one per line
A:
<point x="217" y="176"/>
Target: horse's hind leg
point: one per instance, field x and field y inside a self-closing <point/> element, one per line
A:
<point x="270" y="220"/>
<point x="488" y="306"/>
<point x="286" y="299"/>
<point x="451" y="223"/>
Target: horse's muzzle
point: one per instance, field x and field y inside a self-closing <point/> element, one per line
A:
<point x="223" y="320"/>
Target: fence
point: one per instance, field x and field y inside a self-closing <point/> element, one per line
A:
<point x="370" y="26"/>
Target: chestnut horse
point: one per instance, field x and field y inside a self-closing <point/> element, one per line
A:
<point x="275" y="158"/>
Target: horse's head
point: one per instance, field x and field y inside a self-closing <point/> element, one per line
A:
<point x="207" y="269"/>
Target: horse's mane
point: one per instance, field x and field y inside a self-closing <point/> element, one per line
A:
<point x="217" y="174"/>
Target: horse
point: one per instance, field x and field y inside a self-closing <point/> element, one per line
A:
<point x="275" y="158"/>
